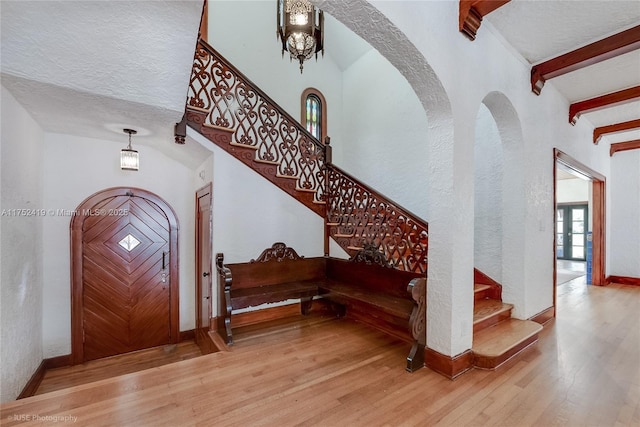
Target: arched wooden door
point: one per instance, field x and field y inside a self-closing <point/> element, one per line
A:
<point x="124" y="296"/>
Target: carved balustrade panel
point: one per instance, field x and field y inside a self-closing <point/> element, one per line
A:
<point x="360" y="218"/>
<point x="233" y="102"/>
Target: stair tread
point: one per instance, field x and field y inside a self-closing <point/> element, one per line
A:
<point x="483" y="309"/>
<point x="500" y="338"/>
<point x="478" y="287"/>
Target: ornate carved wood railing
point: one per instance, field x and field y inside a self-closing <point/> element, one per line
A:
<point x="232" y="112"/>
<point x="358" y="216"/>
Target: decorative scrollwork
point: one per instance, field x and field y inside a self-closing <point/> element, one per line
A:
<point x="233" y="102"/>
<point x="371" y="255"/>
<point x="418" y="320"/>
<point x="277" y="252"/>
<point x="268" y="139"/>
<point x="362" y="218"/>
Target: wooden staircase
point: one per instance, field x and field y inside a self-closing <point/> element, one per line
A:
<point x="233" y="113"/>
<point x="497" y="337"/>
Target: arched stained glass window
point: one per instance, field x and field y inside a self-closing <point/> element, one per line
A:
<point x="314" y="113"/>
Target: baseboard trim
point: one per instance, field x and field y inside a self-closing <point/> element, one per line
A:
<point x="545" y="316"/>
<point x="36" y="379"/>
<point x="449" y="366"/>
<point x="622" y="280"/>
<point x="66" y="360"/>
<point x="189" y="335"/>
<point x="58" y="361"/>
<point x="34" y="382"/>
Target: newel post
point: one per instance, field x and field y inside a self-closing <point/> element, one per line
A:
<point x="327" y="162"/>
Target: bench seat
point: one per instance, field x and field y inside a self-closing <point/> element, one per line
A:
<point x="365" y="288"/>
<point x="347" y="294"/>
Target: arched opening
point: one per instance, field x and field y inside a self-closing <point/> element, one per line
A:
<point x="488" y="196"/>
<point x="500" y="198"/>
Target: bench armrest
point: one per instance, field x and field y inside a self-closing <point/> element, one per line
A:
<point x="417" y="288"/>
<point x="224" y="299"/>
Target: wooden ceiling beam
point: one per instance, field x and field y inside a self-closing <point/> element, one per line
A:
<point x="623" y="146"/>
<point x="601" y="50"/>
<point x="603" y="101"/>
<point x="472" y="12"/>
<point x="618" y="127"/>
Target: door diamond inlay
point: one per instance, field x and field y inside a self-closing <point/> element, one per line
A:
<point x="129" y="242"/>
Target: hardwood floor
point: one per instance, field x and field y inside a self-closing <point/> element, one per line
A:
<point x="96" y="370"/>
<point x="585" y="370"/>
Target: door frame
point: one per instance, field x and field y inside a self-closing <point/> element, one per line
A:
<point x="77" y="284"/>
<point x="202" y="341"/>
<point x="598" y="215"/>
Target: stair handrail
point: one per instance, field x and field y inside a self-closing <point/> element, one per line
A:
<point x="388" y="227"/>
<point x="225" y="99"/>
<point x="257" y="120"/>
<point x="202" y="44"/>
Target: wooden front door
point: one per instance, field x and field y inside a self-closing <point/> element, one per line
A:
<point x="203" y="268"/>
<point x="125" y="298"/>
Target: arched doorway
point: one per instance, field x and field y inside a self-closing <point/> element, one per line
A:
<point x="500" y="205"/>
<point x="124" y="274"/>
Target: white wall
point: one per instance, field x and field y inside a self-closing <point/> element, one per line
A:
<point x="21" y="272"/>
<point x="469" y="71"/>
<point x="625" y="214"/>
<point x="256" y="53"/>
<point x="250" y="213"/>
<point x="78" y="167"/>
<point x="488" y="161"/>
<point x="383" y="141"/>
<point x="572" y="190"/>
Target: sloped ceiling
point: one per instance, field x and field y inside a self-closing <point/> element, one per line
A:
<point x="91" y="68"/>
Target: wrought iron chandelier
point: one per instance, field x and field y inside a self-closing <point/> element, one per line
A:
<point x="301" y="29"/>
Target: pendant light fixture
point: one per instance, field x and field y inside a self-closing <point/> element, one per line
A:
<point x="129" y="158"/>
<point x="301" y="29"/>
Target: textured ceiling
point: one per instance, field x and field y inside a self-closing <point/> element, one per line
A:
<point x="90" y="68"/>
<point x="540" y="30"/>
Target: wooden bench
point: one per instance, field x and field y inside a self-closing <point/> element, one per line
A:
<point x="364" y="288"/>
<point x="391" y="300"/>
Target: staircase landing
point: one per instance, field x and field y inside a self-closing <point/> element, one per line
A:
<point x="497" y="337"/>
<point x="495" y="345"/>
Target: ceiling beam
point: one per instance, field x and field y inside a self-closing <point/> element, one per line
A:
<point x="601" y="50"/>
<point x="618" y="127"/>
<point x="623" y="146"/>
<point x="601" y="102"/>
<point x="472" y="12"/>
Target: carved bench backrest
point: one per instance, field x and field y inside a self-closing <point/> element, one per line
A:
<point x="251" y="275"/>
<point x="370" y="276"/>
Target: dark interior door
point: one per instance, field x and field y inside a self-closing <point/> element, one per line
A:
<point x="571" y="232"/>
<point x="125" y="269"/>
<point x="203" y="267"/>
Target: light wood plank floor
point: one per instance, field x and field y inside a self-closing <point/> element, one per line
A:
<point x="584" y="371"/>
<point x="96" y="370"/>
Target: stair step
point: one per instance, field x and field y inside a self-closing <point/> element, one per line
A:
<point x="495" y="345"/>
<point x="488" y="312"/>
<point x="480" y="291"/>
